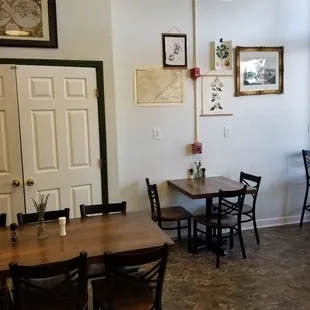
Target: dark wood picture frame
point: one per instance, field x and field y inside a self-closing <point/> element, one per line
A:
<point x="177" y="50"/>
<point x="279" y="71"/>
<point x="53" y="37"/>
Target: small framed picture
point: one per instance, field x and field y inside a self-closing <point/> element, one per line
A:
<point x="174" y="50"/>
<point x="259" y="70"/>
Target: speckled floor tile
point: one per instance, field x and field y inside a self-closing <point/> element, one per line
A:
<point x="275" y="274"/>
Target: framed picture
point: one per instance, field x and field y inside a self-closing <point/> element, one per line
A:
<point x="259" y="70"/>
<point x="223" y="55"/>
<point x="28" y="23"/>
<point x="217" y="94"/>
<point x="174" y="50"/>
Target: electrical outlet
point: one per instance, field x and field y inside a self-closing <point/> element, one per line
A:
<point x="157" y="134"/>
<point x="227" y="131"/>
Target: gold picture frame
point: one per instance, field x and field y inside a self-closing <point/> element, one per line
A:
<point x="259" y="70"/>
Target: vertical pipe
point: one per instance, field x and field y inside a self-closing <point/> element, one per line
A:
<point x="195" y="65"/>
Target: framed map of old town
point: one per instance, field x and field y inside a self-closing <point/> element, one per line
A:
<point x="28" y="23"/>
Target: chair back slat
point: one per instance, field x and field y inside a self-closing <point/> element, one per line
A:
<point x="2" y="220"/>
<point x="152" y="191"/>
<point x="48" y="216"/>
<point x="57" y="286"/>
<point x="251" y="181"/>
<point x="223" y="209"/>
<point x="306" y="158"/>
<point x="103" y="209"/>
<point x="153" y="265"/>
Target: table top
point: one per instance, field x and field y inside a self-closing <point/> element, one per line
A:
<point x="116" y="233"/>
<point x="208" y="187"/>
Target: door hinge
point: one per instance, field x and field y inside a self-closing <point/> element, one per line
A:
<point x="13" y="67"/>
<point x="97" y="93"/>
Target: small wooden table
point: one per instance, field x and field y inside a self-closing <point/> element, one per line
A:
<point x="208" y="189"/>
<point x="132" y="231"/>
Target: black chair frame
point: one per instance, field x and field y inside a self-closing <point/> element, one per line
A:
<point x="306" y="207"/>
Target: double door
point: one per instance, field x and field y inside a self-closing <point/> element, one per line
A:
<point x="49" y="138"/>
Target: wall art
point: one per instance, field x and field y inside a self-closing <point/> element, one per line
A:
<point x="223" y="55"/>
<point x="217" y="92"/>
<point x="158" y="87"/>
<point x="259" y="70"/>
<point x="174" y="50"/>
<point x="28" y="23"/>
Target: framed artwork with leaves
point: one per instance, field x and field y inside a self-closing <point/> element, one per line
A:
<point x="259" y="70"/>
<point x="223" y="55"/>
<point x="28" y="23"/>
<point x="217" y="92"/>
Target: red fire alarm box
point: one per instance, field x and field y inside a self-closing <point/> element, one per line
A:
<point x="195" y="73"/>
<point x="197" y="148"/>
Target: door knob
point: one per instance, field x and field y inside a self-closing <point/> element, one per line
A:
<point x="15" y="183"/>
<point x="30" y="182"/>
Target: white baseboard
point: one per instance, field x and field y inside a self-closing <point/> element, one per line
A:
<point x="276" y="221"/>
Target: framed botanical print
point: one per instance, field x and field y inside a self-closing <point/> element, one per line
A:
<point x="28" y="23"/>
<point x="259" y="70"/>
<point x="174" y="50"/>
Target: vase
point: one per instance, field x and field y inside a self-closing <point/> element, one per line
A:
<point x="41" y="229"/>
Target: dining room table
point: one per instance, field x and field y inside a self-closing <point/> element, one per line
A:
<point x="208" y="188"/>
<point x="116" y="233"/>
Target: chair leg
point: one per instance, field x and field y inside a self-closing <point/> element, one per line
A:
<point x="255" y="227"/>
<point x="179" y="230"/>
<point x="189" y="235"/>
<point x="241" y="241"/>
<point x="231" y="238"/>
<point x="304" y="207"/>
<point x="95" y="306"/>
<point x="218" y="241"/>
<point x="195" y="237"/>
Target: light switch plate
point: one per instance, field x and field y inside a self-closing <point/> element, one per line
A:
<point x="157" y="134"/>
<point x="227" y="131"/>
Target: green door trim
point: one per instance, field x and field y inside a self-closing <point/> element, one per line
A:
<point x="98" y="65"/>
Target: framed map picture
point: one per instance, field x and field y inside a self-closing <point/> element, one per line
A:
<point x="28" y="23"/>
<point x="158" y="87"/>
<point x="174" y="50"/>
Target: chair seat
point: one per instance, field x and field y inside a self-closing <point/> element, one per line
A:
<point x="174" y="214"/>
<point x="227" y="221"/>
<point x="127" y="296"/>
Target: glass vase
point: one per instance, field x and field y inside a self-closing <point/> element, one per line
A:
<point x="41" y="229"/>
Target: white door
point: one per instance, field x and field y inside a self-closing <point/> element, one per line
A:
<point x="11" y="198"/>
<point x="60" y="136"/>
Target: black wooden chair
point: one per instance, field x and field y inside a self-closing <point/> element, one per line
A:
<point x="223" y="219"/>
<point x="2" y="220"/>
<point x="61" y="286"/>
<point x="170" y="214"/>
<point x="142" y="290"/>
<point x="103" y="209"/>
<point x="5" y="299"/>
<point x="249" y="210"/>
<point x="306" y="157"/>
<point x="98" y="270"/>
<point x="48" y="216"/>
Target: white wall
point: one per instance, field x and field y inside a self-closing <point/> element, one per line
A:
<point x="268" y="131"/>
<point x="84" y="32"/>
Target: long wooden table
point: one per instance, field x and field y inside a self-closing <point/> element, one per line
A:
<point x="132" y="231"/>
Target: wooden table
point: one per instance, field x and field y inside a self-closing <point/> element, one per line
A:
<point x="208" y="189"/>
<point x="116" y="233"/>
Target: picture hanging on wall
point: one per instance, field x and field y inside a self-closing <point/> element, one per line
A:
<point x="217" y="92"/>
<point x="174" y="50"/>
<point x="28" y="23"/>
<point x="259" y="70"/>
<point x="223" y="55"/>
